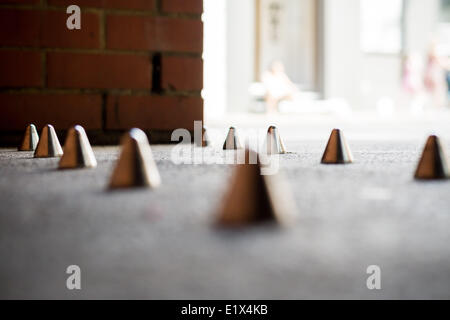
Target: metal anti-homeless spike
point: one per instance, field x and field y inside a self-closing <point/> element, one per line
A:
<point x="205" y="137"/>
<point x="433" y="163"/>
<point x="48" y="146"/>
<point x="205" y="142"/>
<point x="30" y="139"/>
<point x="274" y="143"/>
<point x="135" y="167"/>
<point x="253" y="198"/>
<point x="232" y="140"/>
<point x="77" y="150"/>
<point x="337" y="150"/>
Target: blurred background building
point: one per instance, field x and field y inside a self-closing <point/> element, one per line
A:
<point x="388" y="57"/>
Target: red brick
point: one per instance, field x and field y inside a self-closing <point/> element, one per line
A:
<point x="71" y="70"/>
<point x="19" y="27"/>
<point x="112" y="4"/>
<point x="182" y="6"/>
<point x="54" y="32"/>
<point x="47" y="29"/>
<point x="182" y="73"/>
<point x="62" y="111"/>
<point x="20" y="69"/>
<point x="153" y="112"/>
<point x="150" y="33"/>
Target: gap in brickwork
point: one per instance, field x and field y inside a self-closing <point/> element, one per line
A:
<point x="157" y="73"/>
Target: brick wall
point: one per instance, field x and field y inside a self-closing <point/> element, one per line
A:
<point x="133" y="63"/>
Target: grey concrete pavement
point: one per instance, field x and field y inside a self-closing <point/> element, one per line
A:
<point x="161" y="244"/>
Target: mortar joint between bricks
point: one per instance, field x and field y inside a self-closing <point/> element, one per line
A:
<point x="103" y="51"/>
<point x="39" y="7"/>
<point x="87" y="91"/>
<point x="134" y="12"/>
<point x="20" y="6"/>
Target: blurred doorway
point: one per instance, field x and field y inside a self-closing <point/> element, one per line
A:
<point x="345" y="57"/>
<point x="241" y="40"/>
<point x="287" y="31"/>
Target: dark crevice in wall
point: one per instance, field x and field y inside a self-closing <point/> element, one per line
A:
<point x="157" y="73"/>
<point x="158" y="6"/>
<point x="44" y="69"/>
<point x="104" y="102"/>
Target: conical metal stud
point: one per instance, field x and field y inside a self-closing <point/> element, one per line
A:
<point x="135" y="167"/>
<point x="205" y="138"/>
<point x="30" y="139"/>
<point x="337" y="150"/>
<point x="433" y="163"/>
<point x="253" y="198"/>
<point x="77" y="150"/>
<point x="48" y="146"/>
<point x="274" y="143"/>
<point x="232" y="140"/>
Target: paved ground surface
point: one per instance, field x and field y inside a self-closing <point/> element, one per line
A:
<point x="162" y="244"/>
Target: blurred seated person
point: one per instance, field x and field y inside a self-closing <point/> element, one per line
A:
<point x="278" y="86"/>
